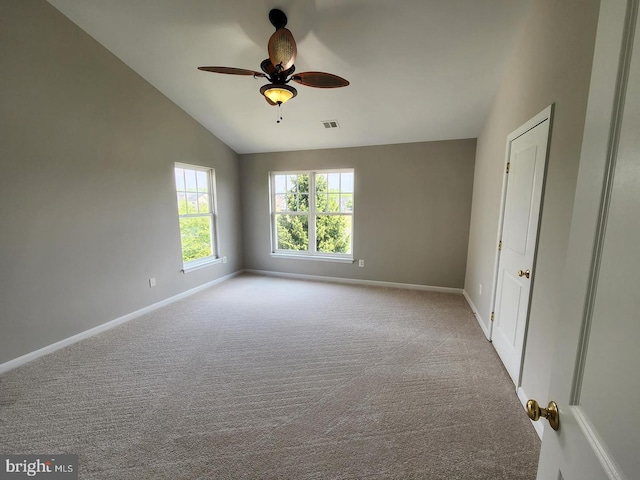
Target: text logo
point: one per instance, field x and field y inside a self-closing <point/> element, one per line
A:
<point x="44" y="467"/>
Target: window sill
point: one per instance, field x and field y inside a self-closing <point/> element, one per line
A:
<point x="200" y="264"/>
<point x="317" y="258"/>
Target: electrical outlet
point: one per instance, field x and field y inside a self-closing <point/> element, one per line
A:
<point x="361" y="263"/>
<point x="480" y="290"/>
<point x="224" y="259"/>
<point x="152" y="282"/>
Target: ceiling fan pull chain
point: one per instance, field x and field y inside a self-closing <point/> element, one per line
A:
<point x="279" y="113"/>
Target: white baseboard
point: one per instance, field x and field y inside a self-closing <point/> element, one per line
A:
<point x="17" y="362"/>
<point x="354" y="281"/>
<point x="523" y="400"/>
<point x="487" y="332"/>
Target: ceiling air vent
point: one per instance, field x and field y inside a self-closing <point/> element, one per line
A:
<point x="330" y="124"/>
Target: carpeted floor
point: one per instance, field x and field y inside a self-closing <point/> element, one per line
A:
<point x="268" y="378"/>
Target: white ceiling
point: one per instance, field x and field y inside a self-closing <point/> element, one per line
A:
<point x="420" y="70"/>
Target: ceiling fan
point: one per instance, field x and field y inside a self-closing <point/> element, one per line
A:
<point x="279" y="68"/>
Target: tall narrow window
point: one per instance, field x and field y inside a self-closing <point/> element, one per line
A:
<point x="312" y="213"/>
<point x="196" y="211"/>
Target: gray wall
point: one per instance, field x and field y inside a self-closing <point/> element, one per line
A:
<point x="88" y="208"/>
<point x="551" y="63"/>
<point x="412" y="208"/>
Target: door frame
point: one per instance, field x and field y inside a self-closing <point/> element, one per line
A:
<point x="544" y="115"/>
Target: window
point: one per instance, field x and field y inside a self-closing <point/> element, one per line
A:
<point x="312" y="214"/>
<point x="196" y="213"/>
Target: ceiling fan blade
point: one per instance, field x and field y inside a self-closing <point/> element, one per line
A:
<point x="282" y="49"/>
<point x="232" y="71"/>
<point x="319" y="80"/>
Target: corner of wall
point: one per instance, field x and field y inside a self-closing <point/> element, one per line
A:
<point x="486" y="330"/>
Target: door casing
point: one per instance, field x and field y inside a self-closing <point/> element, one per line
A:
<point x="544" y="115"/>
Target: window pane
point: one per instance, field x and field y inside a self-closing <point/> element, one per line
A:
<point x="346" y="182"/>
<point x="192" y="202"/>
<point x="334" y="182"/>
<point x="346" y="202"/>
<point x="333" y="204"/>
<point x="292" y="183"/>
<point x="321" y="182"/>
<point x="195" y="233"/>
<point x="292" y="203"/>
<point x="182" y="203"/>
<point x="321" y="202"/>
<point x="304" y="202"/>
<point x="280" y="183"/>
<point x="180" y="179"/>
<point x="303" y="183"/>
<point x="281" y="202"/>
<point x="203" y="203"/>
<point x="292" y="232"/>
<point x="203" y="184"/>
<point x="333" y="233"/>
<point x="190" y="177"/>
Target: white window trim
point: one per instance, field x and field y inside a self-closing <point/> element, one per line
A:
<point x="308" y="255"/>
<point x="214" y="258"/>
<point x="319" y="257"/>
<point x="200" y="263"/>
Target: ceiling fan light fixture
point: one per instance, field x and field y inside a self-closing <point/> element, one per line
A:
<point x="278" y="94"/>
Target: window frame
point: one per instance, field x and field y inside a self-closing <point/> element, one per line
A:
<point x="212" y="215"/>
<point x="311" y="214"/>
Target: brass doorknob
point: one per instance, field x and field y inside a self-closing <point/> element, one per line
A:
<point x="524" y="273"/>
<point x="551" y="413"/>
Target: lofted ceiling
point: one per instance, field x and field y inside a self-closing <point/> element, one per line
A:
<point x="420" y="70"/>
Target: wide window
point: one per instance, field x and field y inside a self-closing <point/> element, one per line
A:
<point x="312" y="213"/>
<point x="197" y="216"/>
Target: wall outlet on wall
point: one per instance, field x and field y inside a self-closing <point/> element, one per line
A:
<point x="361" y="263"/>
<point x="152" y="282"/>
<point x="224" y="259"/>
<point x="480" y="290"/>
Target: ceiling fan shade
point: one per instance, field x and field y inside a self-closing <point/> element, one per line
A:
<point x="282" y="49"/>
<point x="278" y="94"/>
<point x="319" y="80"/>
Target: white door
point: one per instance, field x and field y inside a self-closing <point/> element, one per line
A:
<point x="596" y="379"/>
<point x="527" y="156"/>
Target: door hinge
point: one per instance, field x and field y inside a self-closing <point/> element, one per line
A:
<point x="508" y="165"/>
<point x="493" y="315"/>
<point x="500" y="245"/>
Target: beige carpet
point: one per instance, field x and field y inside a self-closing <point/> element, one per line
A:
<point x="267" y="378"/>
